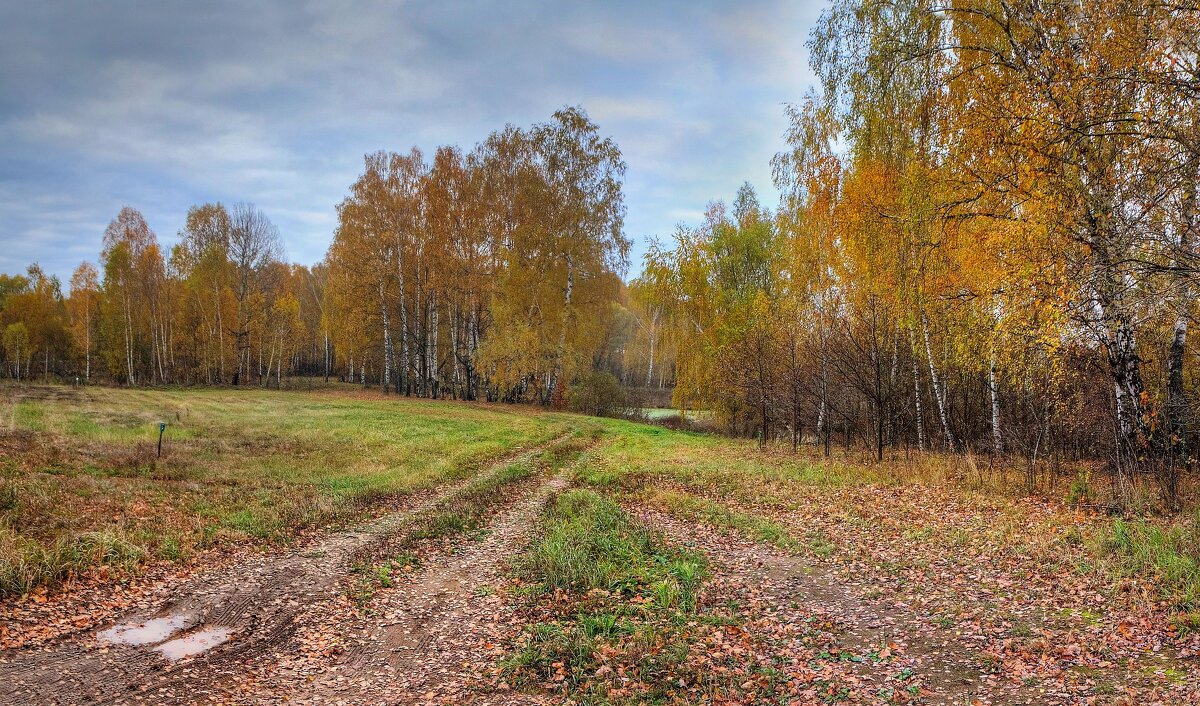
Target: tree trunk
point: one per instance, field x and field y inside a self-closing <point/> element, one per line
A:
<point x="653" y="334"/>
<point x="128" y="336"/>
<point x="1177" y="406"/>
<point x="997" y="439"/>
<point x="87" y="336"/>
<point x="557" y="370"/>
<point x="387" y="340"/>
<point x="220" y="329"/>
<point x="939" y="390"/>
<point x="404" y="377"/>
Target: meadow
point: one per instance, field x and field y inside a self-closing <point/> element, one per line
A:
<point x="81" y="483"/>
<point x="605" y="561"/>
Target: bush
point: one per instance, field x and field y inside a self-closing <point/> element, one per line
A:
<point x="599" y="393"/>
<point x="1080" y="492"/>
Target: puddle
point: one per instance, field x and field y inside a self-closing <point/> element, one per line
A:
<point x="193" y="644"/>
<point x="145" y="632"/>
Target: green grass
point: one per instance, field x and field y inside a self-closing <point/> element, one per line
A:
<point x="239" y="465"/>
<point x="753" y="526"/>
<point x="803" y="501"/>
<point x="635" y="452"/>
<point x="465" y="511"/>
<point x="590" y="543"/>
<point x="628" y="593"/>
<point x="1170" y="554"/>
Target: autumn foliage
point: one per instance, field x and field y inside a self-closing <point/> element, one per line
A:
<point x="986" y="242"/>
<point x="493" y="274"/>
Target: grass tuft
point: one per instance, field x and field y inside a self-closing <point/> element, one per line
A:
<point x="1171" y="554"/>
<point x="26" y="565"/>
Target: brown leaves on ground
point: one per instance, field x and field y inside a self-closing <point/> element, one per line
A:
<point x="1006" y="583"/>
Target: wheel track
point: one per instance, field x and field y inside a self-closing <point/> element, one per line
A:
<point x="427" y="639"/>
<point x="258" y="601"/>
<point x="950" y="671"/>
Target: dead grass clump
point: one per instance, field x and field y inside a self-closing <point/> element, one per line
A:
<point x="27" y="564"/>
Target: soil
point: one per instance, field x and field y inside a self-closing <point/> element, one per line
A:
<point x="429" y="641"/>
<point x="190" y="644"/>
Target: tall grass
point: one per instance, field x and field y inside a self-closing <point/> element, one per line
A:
<point x="26" y="565"/>
<point x="1170" y="554"/>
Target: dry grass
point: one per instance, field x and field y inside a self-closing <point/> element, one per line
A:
<point x="81" y="485"/>
<point x="936" y="505"/>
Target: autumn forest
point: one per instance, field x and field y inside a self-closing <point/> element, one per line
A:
<point x="916" y="423"/>
<point x="986" y="242"/>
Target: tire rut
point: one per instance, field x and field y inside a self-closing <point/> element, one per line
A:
<point x="255" y="605"/>
<point x="429" y="638"/>
<point x="950" y="672"/>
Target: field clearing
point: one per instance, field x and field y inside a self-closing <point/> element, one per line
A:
<point x="552" y="558"/>
<point x="80" y="483"/>
<point x="1073" y="601"/>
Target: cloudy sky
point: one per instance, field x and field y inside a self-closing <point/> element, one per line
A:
<point x="160" y="105"/>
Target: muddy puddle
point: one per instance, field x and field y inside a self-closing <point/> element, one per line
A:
<point x="193" y="644"/>
<point x="145" y="632"/>
<point x="158" y="632"/>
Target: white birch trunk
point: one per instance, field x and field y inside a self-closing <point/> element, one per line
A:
<point x="387" y="339"/>
<point x="562" y="335"/>
<point x="939" y="390"/>
<point x="997" y="439"/>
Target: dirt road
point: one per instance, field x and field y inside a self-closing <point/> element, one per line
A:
<point x="428" y="641"/>
<point x="190" y="647"/>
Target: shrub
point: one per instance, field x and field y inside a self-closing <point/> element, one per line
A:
<point x="599" y="393"/>
<point x="1080" y="492"/>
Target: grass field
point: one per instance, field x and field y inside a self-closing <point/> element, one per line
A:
<point x="677" y="567"/>
<point x="81" y="485"/>
<point x="1054" y="594"/>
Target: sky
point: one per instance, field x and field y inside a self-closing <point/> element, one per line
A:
<point x="160" y="105"/>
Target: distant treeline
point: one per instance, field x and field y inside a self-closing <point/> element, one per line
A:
<point x="490" y="274"/>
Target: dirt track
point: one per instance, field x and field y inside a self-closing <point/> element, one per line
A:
<point x="426" y="642"/>
<point x="948" y="670"/>
<point x="220" y="623"/>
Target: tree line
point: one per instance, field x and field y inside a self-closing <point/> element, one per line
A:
<point x="987" y="241"/>
<point x="494" y="273"/>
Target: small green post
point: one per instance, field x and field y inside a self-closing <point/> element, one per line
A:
<point x="162" y="426"/>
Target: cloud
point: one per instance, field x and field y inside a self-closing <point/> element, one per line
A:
<point x="162" y="105"/>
